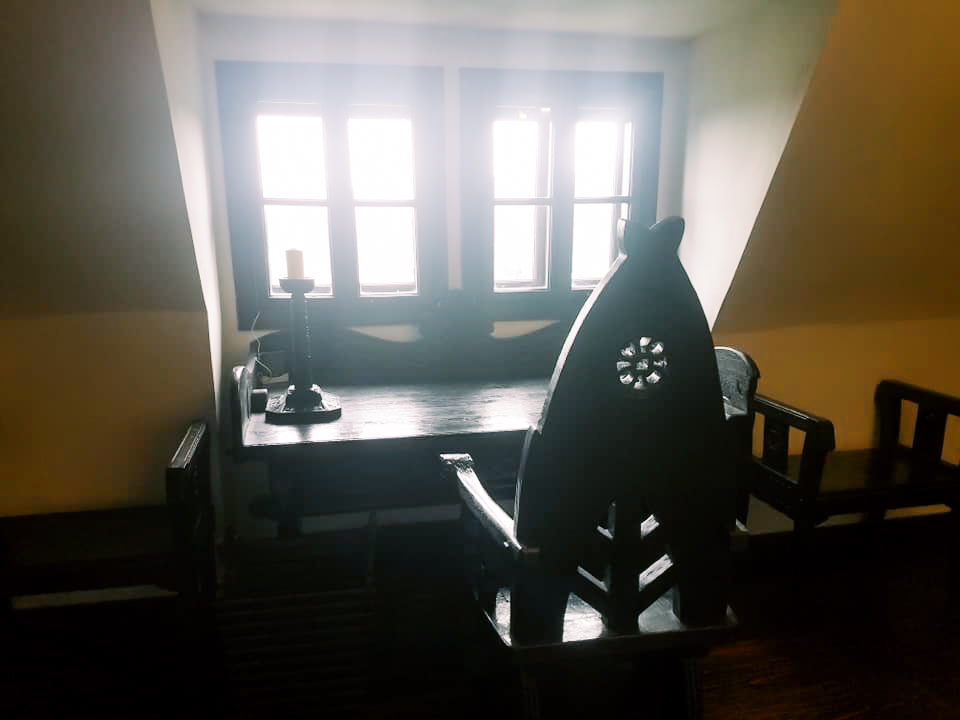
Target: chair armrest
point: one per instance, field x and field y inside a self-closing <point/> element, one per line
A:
<point x="819" y="439"/>
<point x="190" y="507"/>
<point x="812" y="425"/>
<point x="483" y="507"/>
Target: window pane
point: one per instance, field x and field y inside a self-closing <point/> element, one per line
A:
<point x="594" y="229"/>
<point x="516" y="158"/>
<point x="520" y="246"/>
<point x="597" y="166"/>
<point x="386" y="250"/>
<point x="381" y="158"/>
<point x="291" y="157"/>
<point x="627" y="158"/>
<point x="303" y="227"/>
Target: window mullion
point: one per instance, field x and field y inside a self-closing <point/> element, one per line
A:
<point x="477" y="227"/>
<point x="542" y="242"/>
<point x="343" y="229"/>
<point x="561" y="246"/>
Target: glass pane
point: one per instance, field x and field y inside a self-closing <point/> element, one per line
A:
<point x="597" y="167"/>
<point x="291" y="157"/>
<point x="593" y="237"/>
<point x="516" y="151"/>
<point x="386" y="250"/>
<point x="381" y="158"/>
<point x="519" y="246"/>
<point x="303" y="227"/>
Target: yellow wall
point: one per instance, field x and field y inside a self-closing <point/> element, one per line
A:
<point x="850" y="273"/>
<point x="860" y="221"/>
<point x="105" y="355"/>
<point x="832" y="370"/>
<point x="94" y="404"/>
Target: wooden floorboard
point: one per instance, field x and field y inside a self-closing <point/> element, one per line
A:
<point x="857" y="626"/>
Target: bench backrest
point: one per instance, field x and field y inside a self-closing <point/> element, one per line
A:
<point x="930" y="431"/>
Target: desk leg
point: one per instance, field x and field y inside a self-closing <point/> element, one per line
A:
<point x="286" y="486"/>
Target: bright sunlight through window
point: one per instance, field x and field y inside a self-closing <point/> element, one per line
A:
<point x="381" y="168"/>
<point x="521" y="214"/>
<point x="601" y="188"/>
<point x="523" y="198"/>
<point x="294" y="189"/>
<point x="296" y="210"/>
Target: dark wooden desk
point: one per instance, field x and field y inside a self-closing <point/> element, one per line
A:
<point x="382" y="453"/>
<point x="422" y="415"/>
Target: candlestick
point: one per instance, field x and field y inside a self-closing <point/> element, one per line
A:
<point x="304" y="401"/>
<point x="295" y="264"/>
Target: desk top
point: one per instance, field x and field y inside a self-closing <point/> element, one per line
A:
<point x="410" y="412"/>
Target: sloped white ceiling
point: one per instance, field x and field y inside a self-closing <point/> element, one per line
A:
<point x="747" y="82"/>
<point x="862" y="219"/>
<point x="92" y="213"/>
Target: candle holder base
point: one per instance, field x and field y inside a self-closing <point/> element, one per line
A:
<point x="308" y="405"/>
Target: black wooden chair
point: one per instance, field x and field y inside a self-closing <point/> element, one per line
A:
<point x="632" y="432"/>
<point x="739" y="376"/>
<point x="816" y="483"/>
<point x="170" y="546"/>
<point x="790" y="481"/>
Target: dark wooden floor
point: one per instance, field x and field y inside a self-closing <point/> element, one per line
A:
<point x="856" y="627"/>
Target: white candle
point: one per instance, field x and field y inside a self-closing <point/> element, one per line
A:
<point x="294" y="264"/>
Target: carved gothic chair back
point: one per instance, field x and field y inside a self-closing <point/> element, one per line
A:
<point x="632" y="433"/>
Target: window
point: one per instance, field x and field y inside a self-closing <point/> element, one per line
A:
<point x="551" y="161"/>
<point x="344" y="163"/>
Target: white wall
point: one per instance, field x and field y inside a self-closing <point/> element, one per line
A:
<point x="747" y="81"/>
<point x="174" y="23"/>
<point x="175" y="26"/>
<point x="304" y="40"/>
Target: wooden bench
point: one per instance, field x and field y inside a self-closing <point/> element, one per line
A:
<point x="168" y="546"/>
<point x="817" y="483"/>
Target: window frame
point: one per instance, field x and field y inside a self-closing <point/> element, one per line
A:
<point x="570" y="95"/>
<point x="243" y="90"/>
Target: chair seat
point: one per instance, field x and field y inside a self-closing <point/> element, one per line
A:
<point x="89" y="535"/>
<point x="848" y="486"/>
<point x="658" y="628"/>
<point x="81" y="550"/>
